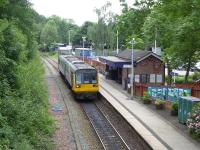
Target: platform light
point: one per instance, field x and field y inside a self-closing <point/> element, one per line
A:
<point x="132" y="42"/>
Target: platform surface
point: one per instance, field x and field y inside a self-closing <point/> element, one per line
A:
<point x="158" y="132"/>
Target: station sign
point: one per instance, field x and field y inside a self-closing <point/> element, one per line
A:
<point x="126" y="66"/>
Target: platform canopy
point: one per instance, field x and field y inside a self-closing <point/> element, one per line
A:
<point x="113" y="61"/>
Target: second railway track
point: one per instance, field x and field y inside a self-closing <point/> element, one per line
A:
<point x="107" y="134"/>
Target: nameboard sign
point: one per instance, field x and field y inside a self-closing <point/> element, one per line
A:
<point x="126" y="66"/>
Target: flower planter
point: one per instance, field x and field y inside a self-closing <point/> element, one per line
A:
<point x="159" y="106"/>
<point x="174" y="112"/>
<point x="146" y="101"/>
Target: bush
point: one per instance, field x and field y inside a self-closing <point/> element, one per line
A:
<point x="179" y="79"/>
<point x="146" y="96"/>
<point x="52" y="53"/>
<point x="24" y="118"/>
<point x="174" y="106"/>
<point x="196" y="76"/>
<point x="193" y="123"/>
<point x="159" y="102"/>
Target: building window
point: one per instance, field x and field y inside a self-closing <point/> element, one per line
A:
<point x="152" y="78"/>
<point x="137" y="78"/>
<point x="159" y="78"/>
<point x="144" y="78"/>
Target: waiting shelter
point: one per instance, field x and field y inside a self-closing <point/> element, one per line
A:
<point x="114" y="67"/>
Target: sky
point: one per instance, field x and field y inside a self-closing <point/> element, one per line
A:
<point x="78" y="10"/>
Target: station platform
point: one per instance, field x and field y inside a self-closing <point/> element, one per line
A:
<point x="155" y="129"/>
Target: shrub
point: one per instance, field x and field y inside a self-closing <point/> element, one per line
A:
<point x="196" y="76"/>
<point x="159" y="102"/>
<point x="146" y="96"/>
<point x="24" y="119"/>
<point x="174" y="106"/>
<point x="193" y="123"/>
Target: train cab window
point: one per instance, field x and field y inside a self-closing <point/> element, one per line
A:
<point x="86" y="77"/>
<point x="78" y="78"/>
<point x="89" y="78"/>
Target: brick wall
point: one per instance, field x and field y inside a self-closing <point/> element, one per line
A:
<point x="150" y="65"/>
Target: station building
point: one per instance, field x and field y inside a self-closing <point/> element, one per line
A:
<point x="149" y="68"/>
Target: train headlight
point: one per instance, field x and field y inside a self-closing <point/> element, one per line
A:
<point x="78" y="86"/>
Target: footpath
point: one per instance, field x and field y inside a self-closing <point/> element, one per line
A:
<point x="158" y="129"/>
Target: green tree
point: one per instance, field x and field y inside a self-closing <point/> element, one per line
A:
<point x="64" y="26"/>
<point x="49" y="34"/>
<point x="24" y="119"/>
<point x="130" y="23"/>
<point x="177" y="27"/>
<point x="102" y="33"/>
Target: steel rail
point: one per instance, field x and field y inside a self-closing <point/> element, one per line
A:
<point x="106" y="132"/>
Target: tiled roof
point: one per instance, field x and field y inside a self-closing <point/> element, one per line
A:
<point x="137" y="54"/>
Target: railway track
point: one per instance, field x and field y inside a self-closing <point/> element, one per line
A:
<point x="107" y="134"/>
<point x="53" y="63"/>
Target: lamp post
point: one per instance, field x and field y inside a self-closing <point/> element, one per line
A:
<point x="155" y="47"/>
<point x="69" y="37"/>
<point x="132" y="67"/>
<point x="117" y="42"/>
<point x="83" y="45"/>
<point x="92" y="44"/>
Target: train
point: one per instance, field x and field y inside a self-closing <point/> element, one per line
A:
<point x="81" y="77"/>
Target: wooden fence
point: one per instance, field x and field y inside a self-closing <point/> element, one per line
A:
<point x="101" y="67"/>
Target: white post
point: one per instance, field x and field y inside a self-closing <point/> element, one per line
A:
<point x="174" y="79"/>
<point x="155" y="41"/>
<point x="117" y="43"/>
<point x="132" y="69"/>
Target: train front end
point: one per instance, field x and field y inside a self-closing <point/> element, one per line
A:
<point x="86" y="84"/>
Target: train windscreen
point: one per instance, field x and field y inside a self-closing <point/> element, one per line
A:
<point x="86" y="77"/>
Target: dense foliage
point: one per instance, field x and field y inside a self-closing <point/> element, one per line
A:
<point x="173" y="24"/>
<point x="24" y="119"/>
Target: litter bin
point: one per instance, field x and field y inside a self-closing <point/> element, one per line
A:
<point x="185" y="107"/>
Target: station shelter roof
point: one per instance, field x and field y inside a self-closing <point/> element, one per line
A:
<point x="113" y="61"/>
